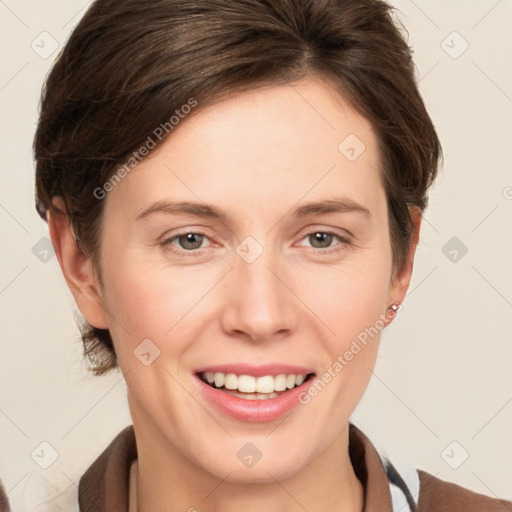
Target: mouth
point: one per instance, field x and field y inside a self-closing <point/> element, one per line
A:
<point x="251" y="387"/>
<point x="254" y="394"/>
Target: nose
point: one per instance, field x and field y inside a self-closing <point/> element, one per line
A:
<point x="261" y="305"/>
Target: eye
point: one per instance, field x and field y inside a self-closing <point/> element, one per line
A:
<point x="191" y="242"/>
<point x="188" y="242"/>
<point x="322" y="241"/>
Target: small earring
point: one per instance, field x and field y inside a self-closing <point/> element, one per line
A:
<point x="394" y="307"/>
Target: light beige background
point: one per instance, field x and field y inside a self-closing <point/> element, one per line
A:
<point x="444" y="372"/>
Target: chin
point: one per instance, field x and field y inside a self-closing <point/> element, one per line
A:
<point x="249" y="464"/>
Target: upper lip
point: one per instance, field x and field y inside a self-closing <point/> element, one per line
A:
<point x="256" y="371"/>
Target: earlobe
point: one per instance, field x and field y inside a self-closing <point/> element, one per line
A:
<point x="400" y="283"/>
<point x="76" y="267"/>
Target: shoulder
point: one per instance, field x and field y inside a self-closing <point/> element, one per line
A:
<point x="415" y="490"/>
<point x="4" y="502"/>
<point x="440" y="496"/>
<point x="105" y="484"/>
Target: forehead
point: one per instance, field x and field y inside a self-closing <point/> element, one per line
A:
<point x="273" y="145"/>
<point x="296" y="116"/>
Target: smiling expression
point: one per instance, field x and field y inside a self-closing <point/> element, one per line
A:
<point x="246" y="249"/>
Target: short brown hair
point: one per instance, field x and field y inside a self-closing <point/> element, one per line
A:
<point x="129" y="64"/>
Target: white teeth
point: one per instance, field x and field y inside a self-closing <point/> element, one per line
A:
<point x="246" y="384"/>
<point x="265" y="384"/>
<point x="291" y="380"/>
<point x="280" y="383"/>
<point x="230" y="381"/>
<point x="219" y="379"/>
<point x="259" y="386"/>
<point x="251" y="396"/>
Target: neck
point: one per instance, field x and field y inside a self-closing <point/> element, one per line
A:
<point x="163" y="480"/>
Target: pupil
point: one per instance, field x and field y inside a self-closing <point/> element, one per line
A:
<point x="321" y="237"/>
<point x="189" y="239"/>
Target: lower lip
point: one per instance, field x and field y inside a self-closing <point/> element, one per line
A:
<point x="254" y="411"/>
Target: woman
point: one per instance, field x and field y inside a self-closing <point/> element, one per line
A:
<point x="234" y="192"/>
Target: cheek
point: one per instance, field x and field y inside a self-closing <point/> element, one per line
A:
<point x="352" y="319"/>
<point x="149" y="303"/>
<point x="351" y="303"/>
<point x="348" y="299"/>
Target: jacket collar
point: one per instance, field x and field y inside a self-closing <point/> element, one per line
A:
<point x="105" y="485"/>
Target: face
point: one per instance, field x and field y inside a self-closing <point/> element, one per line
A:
<point x="281" y="268"/>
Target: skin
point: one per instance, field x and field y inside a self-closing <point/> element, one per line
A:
<point x="257" y="156"/>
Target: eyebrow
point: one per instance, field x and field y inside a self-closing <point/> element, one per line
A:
<point x="204" y="210"/>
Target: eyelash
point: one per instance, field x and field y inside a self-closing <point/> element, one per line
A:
<point x="343" y="243"/>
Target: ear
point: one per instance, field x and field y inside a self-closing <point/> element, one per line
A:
<point x="76" y="266"/>
<point x="400" y="282"/>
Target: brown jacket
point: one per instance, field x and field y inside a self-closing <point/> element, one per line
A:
<point x="104" y="487"/>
